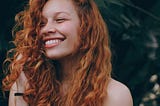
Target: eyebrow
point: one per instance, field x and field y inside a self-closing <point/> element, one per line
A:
<point x="57" y="13"/>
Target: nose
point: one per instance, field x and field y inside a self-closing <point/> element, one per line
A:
<point x="48" y="28"/>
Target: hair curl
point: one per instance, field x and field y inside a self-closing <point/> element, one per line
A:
<point x="91" y="79"/>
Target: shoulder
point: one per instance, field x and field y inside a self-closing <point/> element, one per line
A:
<point x="118" y="94"/>
<point x="19" y="86"/>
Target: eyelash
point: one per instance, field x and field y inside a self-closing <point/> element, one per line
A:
<point x="60" y="20"/>
<point x="42" y="24"/>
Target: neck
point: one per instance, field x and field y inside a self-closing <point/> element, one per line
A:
<point x="67" y="68"/>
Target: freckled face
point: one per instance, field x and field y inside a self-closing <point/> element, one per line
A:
<point x="60" y="28"/>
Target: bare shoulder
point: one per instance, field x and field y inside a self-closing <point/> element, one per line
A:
<point x="118" y="94"/>
<point x="18" y="87"/>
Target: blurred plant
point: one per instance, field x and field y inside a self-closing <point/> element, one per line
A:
<point x="151" y="98"/>
<point x="135" y="41"/>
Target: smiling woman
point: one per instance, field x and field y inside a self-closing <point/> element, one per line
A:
<point x="59" y="29"/>
<point x="62" y="58"/>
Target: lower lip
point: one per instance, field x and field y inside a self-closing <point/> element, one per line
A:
<point x="51" y="45"/>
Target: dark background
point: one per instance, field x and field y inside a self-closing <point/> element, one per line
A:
<point x="134" y="27"/>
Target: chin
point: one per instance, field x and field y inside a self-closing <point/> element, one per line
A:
<point x="54" y="56"/>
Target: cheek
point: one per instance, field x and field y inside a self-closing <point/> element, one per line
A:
<point x="70" y="31"/>
<point x="68" y="28"/>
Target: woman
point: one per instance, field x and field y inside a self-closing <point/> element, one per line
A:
<point x="62" y="57"/>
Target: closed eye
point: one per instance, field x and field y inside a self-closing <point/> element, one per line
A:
<point x="42" y="24"/>
<point x="60" y="20"/>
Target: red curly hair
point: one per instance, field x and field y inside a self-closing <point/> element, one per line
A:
<point x="92" y="76"/>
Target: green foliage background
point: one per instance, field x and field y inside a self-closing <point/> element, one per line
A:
<point x="134" y="27"/>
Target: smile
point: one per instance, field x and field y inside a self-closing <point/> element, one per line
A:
<point x="52" y="43"/>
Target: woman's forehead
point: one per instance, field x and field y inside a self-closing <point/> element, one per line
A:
<point x="58" y="6"/>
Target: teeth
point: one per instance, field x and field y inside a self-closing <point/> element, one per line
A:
<point x="55" y="41"/>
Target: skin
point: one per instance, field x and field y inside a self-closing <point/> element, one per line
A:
<point x="18" y="86"/>
<point x="118" y="94"/>
<point x="59" y="29"/>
